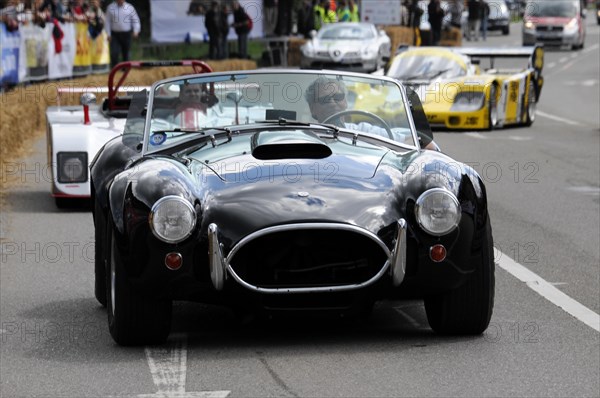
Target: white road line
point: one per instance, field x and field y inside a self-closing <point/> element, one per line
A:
<point x="477" y="135"/>
<point x="168" y="366"/>
<point x="591" y="48"/>
<point x="583" y="53"/>
<point x="549" y="292"/>
<point x="589" y="190"/>
<point x="557" y="118"/>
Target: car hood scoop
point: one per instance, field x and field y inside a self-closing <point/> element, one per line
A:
<point x="288" y="144"/>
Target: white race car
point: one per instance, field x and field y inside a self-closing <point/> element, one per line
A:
<point x="76" y="133"/>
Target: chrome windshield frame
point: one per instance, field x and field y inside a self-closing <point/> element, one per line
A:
<point x="209" y="76"/>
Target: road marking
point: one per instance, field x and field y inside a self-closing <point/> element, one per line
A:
<point x="477" y="135"/>
<point x="549" y="292"/>
<point x="583" y="53"/>
<point x="591" y="48"/>
<point x="584" y="83"/>
<point x="557" y="118"/>
<point x="519" y="138"/>
<point x="585" y="189"/>
<point x="551" y="65"/>
<point x="168" y="366"/>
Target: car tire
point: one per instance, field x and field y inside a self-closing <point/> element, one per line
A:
<point x="63" y="203"/>
<point x="506" y="30"/>
<point x="467" y="310"/>
<point x="531" y="105"/>
<point x="99" y="257"/>
<point x="493" y="108"/>
<point x="133" y="319"/>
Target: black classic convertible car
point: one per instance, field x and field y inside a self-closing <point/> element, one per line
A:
<point x="276" y="191"/>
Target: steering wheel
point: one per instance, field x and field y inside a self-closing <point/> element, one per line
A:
<point x="371" y="115"/>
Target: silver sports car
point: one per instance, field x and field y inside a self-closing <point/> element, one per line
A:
<point x="351" y="46"/>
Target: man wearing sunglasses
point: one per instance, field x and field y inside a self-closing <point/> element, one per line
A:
<point x="326" y="97"/>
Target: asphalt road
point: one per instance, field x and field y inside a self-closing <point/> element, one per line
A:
<point x="543" y="186"/>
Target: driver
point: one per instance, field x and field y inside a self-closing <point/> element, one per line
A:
<point x="326" y="97"/>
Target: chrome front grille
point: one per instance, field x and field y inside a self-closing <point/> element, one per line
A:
<point x="309" y="257"/>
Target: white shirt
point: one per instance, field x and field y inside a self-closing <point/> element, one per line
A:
<point x="121" y="19"/>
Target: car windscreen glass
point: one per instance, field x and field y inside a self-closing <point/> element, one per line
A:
<point x="188" y="107"/>
<point x="425" y="67"/>
<point x="346" y="32"/>
<point x="554" y="8"/>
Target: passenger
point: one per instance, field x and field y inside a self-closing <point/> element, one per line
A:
<point x="190" y="110"/>
<point x="326" y="97"/>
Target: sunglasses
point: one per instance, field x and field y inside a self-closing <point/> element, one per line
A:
<point x="339" y="97"/>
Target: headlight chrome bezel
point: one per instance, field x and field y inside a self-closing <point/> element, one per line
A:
<point x="152" y="219"/>
<point x="421" y="207"/>
<point x="66" y="164"/>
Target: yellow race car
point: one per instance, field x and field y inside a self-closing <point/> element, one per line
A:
<point x="473" y="88"/>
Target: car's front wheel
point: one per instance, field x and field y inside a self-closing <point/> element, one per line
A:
<point x="99" y="258"/>
<point x="467" y="309"/>
<point x="133" y="319"/>
<point x="531" y="105"/>
<point x="493" y="108"/>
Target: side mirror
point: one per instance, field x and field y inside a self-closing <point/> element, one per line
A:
<point x="234" y="96"/>
<point x="313" y="34"/>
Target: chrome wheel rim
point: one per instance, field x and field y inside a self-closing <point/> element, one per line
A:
<point x="493" y="108"/>
<point x="531" y="107"/>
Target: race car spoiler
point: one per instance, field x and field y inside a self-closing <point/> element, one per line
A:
<point x="534" y="53"/>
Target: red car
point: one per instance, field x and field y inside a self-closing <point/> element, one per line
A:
<point x="554" y="23"/>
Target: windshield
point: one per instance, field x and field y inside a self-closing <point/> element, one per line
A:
<point x="345" y="31"/>
<point x="427" y="66"/>
<point x="191" y="105"/>
<point x="554" y="8"/>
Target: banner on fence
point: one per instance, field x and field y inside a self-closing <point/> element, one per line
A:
<point x="33" y="53"/>
<point x="174" y="21"/>
<point x="9" y="49"/>
<point x="99" y="53"/>
<point x="83" y="56"/>
<point x="60" y="63"/>
<point x="36" y="42"/>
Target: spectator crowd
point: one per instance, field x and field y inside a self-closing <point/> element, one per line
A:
<point x="14" y="13"/>
<point x="279" y="18"/>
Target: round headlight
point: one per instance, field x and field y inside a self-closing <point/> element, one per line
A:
<point x="72" y="169"/>
<point x="172" y="219"/>
<point x="437" y="211"/>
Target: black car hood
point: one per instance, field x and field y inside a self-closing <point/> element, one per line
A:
<point x="242" y="192"/>
<point x="289" y="154"/>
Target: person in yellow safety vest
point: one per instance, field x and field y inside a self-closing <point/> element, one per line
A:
<point x="329" y="16"/>
<point x="343" y="12"/>
<point x="319" y="16"/>
<point x="353" y="7"/>
<point x="323" y="14"/>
